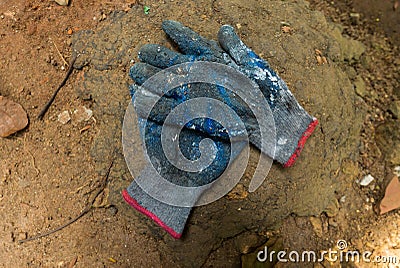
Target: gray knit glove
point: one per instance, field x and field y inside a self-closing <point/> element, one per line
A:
<point x="293" y="125"/>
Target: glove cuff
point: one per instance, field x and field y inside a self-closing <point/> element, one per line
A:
<point x="300" y="145"/>
<point x="171" y="218"/>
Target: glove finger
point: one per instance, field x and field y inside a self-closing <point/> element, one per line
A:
<point x="140" y="72"/>
<point x="161" y="56"/>
<point x="242" y="54"/>
<point x="190" y="42"/>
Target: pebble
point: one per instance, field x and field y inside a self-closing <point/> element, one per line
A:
<point x="397" y="171"/>
<point x="355" y="18"/>
<point x="12" y="117"/>
<point x="366" y="180"/>
<point x="64" y="117"/>
<point x="22" y="235"/>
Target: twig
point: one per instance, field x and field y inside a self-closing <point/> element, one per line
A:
<point x="88" y="208"/>
<point x="48" y="104"/>
<point x="59" y="53"/>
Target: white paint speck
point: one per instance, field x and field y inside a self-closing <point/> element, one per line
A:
<point x="282" y="141"/>
<point x="367" y="180"/>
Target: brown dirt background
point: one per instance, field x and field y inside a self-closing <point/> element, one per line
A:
<point x="49" y="171"/>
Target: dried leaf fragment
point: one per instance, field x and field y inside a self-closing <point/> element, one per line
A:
<point x="12" y="117"/>
<point x="84" y="128"/>
<point x="391" y="200"/>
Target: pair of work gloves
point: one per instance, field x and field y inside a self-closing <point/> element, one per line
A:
<point x="293" y="125"/>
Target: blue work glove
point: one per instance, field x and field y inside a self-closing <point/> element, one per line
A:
<point x="169" y="216"/>
<point x="293" y="124"/>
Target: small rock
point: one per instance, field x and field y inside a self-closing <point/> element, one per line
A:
<point x="355" y="18"/>
<point x="22" y="236"/>
<point x="367" y="180"/>
<point x="343" y="199"/>
<point x="397" y="171"/>
<point x="360" y="87"/>
<point x="64" y="117"/>
<point x="286" y="29"/>
<point x="83" y="114"/>
<point x="62" y="2"/>
<point x="12" y="117"/>
<point x="394" y="108"/>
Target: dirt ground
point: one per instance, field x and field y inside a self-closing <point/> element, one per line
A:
<point x="50" y="172"/>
